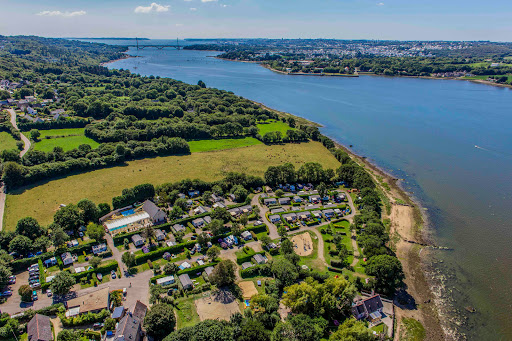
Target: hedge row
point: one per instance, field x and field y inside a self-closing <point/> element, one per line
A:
<point x="257" y="270"/>
<point x="84" y="318"/>
<point x="247" y="258"/>
<point x="103" y="269"/>
<point x="159" y="252"/>
<point x="22" y="264"/>
<point x="184" y="271"/>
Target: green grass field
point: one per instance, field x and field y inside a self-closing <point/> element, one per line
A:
<point x="209" y="145"/>
<point x="484" y="77"/>
<point x="42" y="200"/>
<point x="7" y="141"/>
<point x="66" y="138"/>
<point x="273" y="126"/>
<point x="412" y="330"/>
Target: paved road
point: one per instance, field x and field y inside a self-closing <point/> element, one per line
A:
<point x="2" y="205"/>
<point x="25" y="140"/>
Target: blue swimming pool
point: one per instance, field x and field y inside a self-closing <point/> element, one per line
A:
<point x="127" y="213"/>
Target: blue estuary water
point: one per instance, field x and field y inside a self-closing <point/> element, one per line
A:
<point x="451" y="142"/>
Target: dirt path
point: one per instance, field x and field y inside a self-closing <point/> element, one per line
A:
<point x="356" y="250"/>
<point x="25" y="140"/>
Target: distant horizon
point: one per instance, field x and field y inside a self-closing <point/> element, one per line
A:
<point x="400" y="20"/>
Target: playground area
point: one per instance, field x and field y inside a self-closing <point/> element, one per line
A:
<point x="248" y="289"/>
<point x="303" y="244"/>
<point x="220" y="305"/>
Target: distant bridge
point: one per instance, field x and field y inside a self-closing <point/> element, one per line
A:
<point x="159" y="47"/>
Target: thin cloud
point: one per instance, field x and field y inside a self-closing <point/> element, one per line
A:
<point x="224" y="6"/>
<point x="380" y="4"/>
<point x="154" y="7"/>
<point x="208" y="0"/>
<point x="193" y="9"/>
<point x="179" y="25"/>
<point x="61" y="14"/>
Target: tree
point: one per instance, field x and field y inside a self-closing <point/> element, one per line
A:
<point x="62" y="283"/>
<point x="201" y="84"/>
<point x="25" y="291"/>
<point x="236" y="230"/>
<point x="224" y="273"/>
<point x="265" y="241"/>
<point x="176" y="213"/>
<point x="69" y="335"/>
<point x="148" y="232"/>
<point x="35" y="134"/>
<point x="128" y="258"/>
<point x="322" y="189"/>
<point x="281" y="230"/>
<point x="13" y="174"/>
<point x="213" y="252"/>
<point x="207" y="330"/>
<point x="279" y="193"/>
<point x="388" y="272"/>
<point x="222" y="214"/>
<point x="352" y="330"/>
<point x="160" y="321"/>
<point x="244" y="219"/>
<point x="20" y="244"/>
<point x="265" y="310"/>
<point x="88" y="211"/>
<point x="29" y="227"/>
<point x="170" y="268"/>
<point x="103" y="209"/>
<point x="96" y="232"/>
<point x="57" y="235"/>
<point x="331" y="299"/>
<point x="240" y="193"/>
<point x="5" y="273"/>
<point x="216" y="227"/>
<point x="286" y="246"/>
<point x="68" y="218"/>
<point x="300" y="327"/>
<point x="253" y="330"/>
<point x="95" y="261"/>
<point x="41" y="243"/>
<point x="284" y="271"/>
<point x="10" y="155"/>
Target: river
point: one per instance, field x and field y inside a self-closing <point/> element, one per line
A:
<point x="450" y="141"/>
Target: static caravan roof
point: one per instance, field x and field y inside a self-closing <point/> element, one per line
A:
<point x="130" y="219"/>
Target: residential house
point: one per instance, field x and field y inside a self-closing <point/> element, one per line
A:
<point x="209" y="271"/>
<point x="193" y="193"/>
<point x="216" y="198"/>
<point x="247" y="265"/>
<point x="314" y="198"/>
<point x="207" y="219"/>
<point x="67" y="259"/>
<point x="186" y="282"/>
<point x="330" y="205"/>
<point x="284" y="201"/>
<point x="159" y="235"/>
<point x="369" y="308"/>
<point x="156" y="214"/>
<point x="219" y="204"/>
<point x="269" y="201"/>
<point x="57" y="112"/>
<point x="190" y="202"/>
<point x="274" y="218"/>
<point x="97" y="249"/>
<point x="290" y="217"/>
<point x="316" y="214"/>
<point x="297" y="199"/>
<point x="39" y="328"/>
<point x="50" y="262"/>
<point x="90" y="303"/>
<point x="304" y="215"/>
<point x="328" y="213"/>
<point x="246" y="235"/>
<point x="139" y="310"/>
<point x="198" y="222"/>
<point x="259" y="259"/>
<point x="178" y="228"/>
<point x="137" y="240"/>
<point x="129" y="329"/>
<point x="200" y="210"/>
<point x="235" y="211"/>
<point x="277" y="210"/>
<point x="31" y="111"/>
<point x="165" y="280"/>
<point x="181" y="196"/>
<point x="246" y="209"/>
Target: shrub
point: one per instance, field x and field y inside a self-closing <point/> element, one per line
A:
<point x="150" y="264"/>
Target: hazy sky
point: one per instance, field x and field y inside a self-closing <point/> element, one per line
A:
<point x="344" y="19"/>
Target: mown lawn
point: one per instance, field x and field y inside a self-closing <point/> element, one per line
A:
<point x="66" y="138"/>
<point x="273" y="126"/>
<point x="187" y="313"/>
<point x="43" y="199"/>
<point x="209" y="145"/>
<point x="7" y="141"/>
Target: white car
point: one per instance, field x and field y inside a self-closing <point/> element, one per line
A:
<point x="49" y="293"/>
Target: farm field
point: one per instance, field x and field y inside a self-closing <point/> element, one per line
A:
<point x="7" y="141"/>
<point x="66" y="138"/>
<point x="42" y="200"/>
<point x="274" y="126"/>
<point x="209" y="145"/>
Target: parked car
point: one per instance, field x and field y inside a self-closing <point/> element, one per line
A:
<point x="12" y="279"/>
<point x="34" y="296"/>
<point x="49" y="293"/>
<point x="6" y="293"/>
<point x="35" y="285"/>
<point x="99" y="276"/>
<point x="98" y="325"/>
<point x="113" y="274"/>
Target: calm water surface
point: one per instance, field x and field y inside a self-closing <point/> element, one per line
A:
<point x="424" y="131"/>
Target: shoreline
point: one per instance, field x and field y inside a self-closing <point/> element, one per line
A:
<point x="415" y="236"/>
